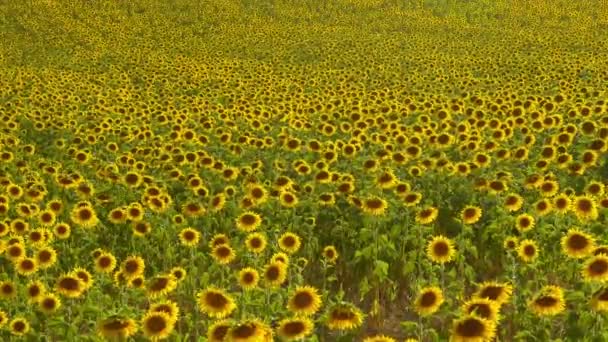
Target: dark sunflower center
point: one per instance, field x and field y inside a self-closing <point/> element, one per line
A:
<point x="223" y="251"/>
<point x="428" y="299"/>
<point x="85" y="214"/>
<point x="156" y="324"/>
<point x="216" y="300"/>
<point x="529" y="250"/>
<point x="578" y="242"/>
<point x="598" y="267"/>
<point x="584" y="205"/>
<point x="470" y="328"/>
<point x="294" y="328"/>
<point x="342" y="314"/>
<point x="104" y="261"/>
<point x="289" y="241"/>
<point x="115" y="325"/>
<point x="131" y="266"/>
<point x="19" y="326"/>
<point x="159" y="284"/>
<point x="546" y="301"/>
<point x="482" y="310"/>
<point x="220" y="332"/>
<point x="491" y="292"/>
<point x="469" y="213"/>
<point x="244" y="330"/>
<point x="302" y="300"/>
<point x="374" y="204"/>
<point x="69" y="283"/>
<point x="49" y="303"/>
<point x="248" y="278"/>
<point x="441" y="249"/>
<point x="272" y="273"/>
<point x="248" y="220"/>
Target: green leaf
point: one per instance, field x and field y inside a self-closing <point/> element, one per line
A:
<point x="381" y="269"/>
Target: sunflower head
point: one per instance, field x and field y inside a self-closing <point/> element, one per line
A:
<point x="428" y="301"/>
<point x="577" y="244"/>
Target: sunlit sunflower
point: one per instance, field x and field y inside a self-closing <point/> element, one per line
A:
<point x="255" y="242"/>
<point x="248" y="221"/>
<point x="19" y="326"/>
<point x="374" y="206"/>
<point x="132" y="266"/>
<point x="294" y="329"/>
<point x="428" y="301"/>
<point x="562" y="203"/>
<point x="344" y="317"/>
<point x="157" y="325"/>
<point x="85" y="276"/>
<point x="15" y="251"/>
<point x="223" y="254"/>
<point x="513" y="202"/>
<point x="330" y="254"/>
<point x="84" y="216"/>
<point x="62" y="230"/>
<point x="524" y="222"/>
<point x="577" y="244"/>
<point x="288" y="199"/>
<point x="427" y="215"/>
<point x="49" y="303"/>
<point x="543" y="207"/>
<point x="585" y="208"/>
<point x="305" y="300"/>
<point x="26" y="266"/>
<point x="497" y="292"/>
<point x="117" y="215"/>
<point x="105" y="263"/>
<point x="189" y="237"/>
<point x="289" y="242"/>
<point x="599" y="300"/>
<point x="379" y="338"/>
<point x="246" y="331"/>
<point x="3" y="318"/>
<point x="179" y="273"/>
<point x="482" y="307"/>
<point x="218" y="239"/>
<point x="528" y="250"/>
<point x="34" y="290"/>
<point x="138" y="282"/>
<point x="168" y="307"/>
<point x="596" y="269"/>
<point x="160" y="286"/>
<point x="470" y="214"/>
<point x="548" y="302"/>
<point x="248" y="278"/>
<point x="275" y="274"/>
<point x="70" y="285"/>
<point x="116" y="328"/>
<point x="215" y="302"/>
<point x="440" y="249"/>
<point x="280" y="257"/>
<point x="472" y="328"/>
<point x="218" y="330"/>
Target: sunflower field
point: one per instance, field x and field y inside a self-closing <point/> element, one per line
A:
<point x="274" y="170"/>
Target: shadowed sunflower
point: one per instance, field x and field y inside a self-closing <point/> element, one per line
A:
<point x="157" y="325"/>
<point x="599" y="300"/>
<point x="344" y="317"/>
<point x="440" y="249"/>
<point x="49" y="303"/>
<point x="596" y="269"/>
<point x="482" y="307"/>
<point x="293" y="329"/>
<point x="428" y="301"/>
<point x="160" y="286"/>
<point x="473" y="328"/>
<point x="470" y="214"/>
<point x="548" y="302"/>
<point x="305" y="300"/>
<point x="215" y="302"/>
<point x="497" y="292"/>
<point x="116" y="328"/>
<point x="577" y="244"/>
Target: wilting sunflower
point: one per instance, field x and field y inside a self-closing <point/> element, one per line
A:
<point x="528" y="250"/>
<point x="256" y="242"/>
<point x="132" y="267"/>
<point x="215" y="302"/>
<point x="428" y="301"/>
<point x="246" y="331"/>
<point x="157" y="325"/>
<point x="223" y="254"/>
<point x="105" y="263"/>
<point x="116" y="328"/>
<point x="599" y="300"/>
<point x="305" y="300"/>
<point x="275" y="274"/>
<point x="248" y="278"/>
<point x="440" y="249"/>
<point x="160" y="286"/>
<point x="470" y="214"/>
<point x="19" y="326"/>
<point x="248" y="221"/>
<point x="548" y="302"/>
<point x="168" y="307"/>
<point x="84" y="216"/>
<point x="293" y="329"/>
<point x="577" y="244"/>
<point x="218" y="330"/>
<point x="330" y="254"/>
<point x="70" y="285"/>
<point x="497" y="292"/>
<point x="585" y="208"/>
<point x="596" y="268"/>
<point x="344" y="316"/>
<point x="482" y="307"/>
<point x="189" y="237"/>
<point x="524" y="222"/>
<point x="289" y="242"/>
<point x="379" y="338"/>
<point x="49" y="303"/>
<point x="427" y="215"/>
<point x="374" y="206"/>
<point x="473" y="328"/>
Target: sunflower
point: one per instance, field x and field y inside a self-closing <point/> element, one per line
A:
<point x="473" y="328"/>
<point x="289" y="242"/>
<point x="215" y="302"/>
<point x="70" y="285"/>
<point x="511" y="243"/>
<point x="132" y="267"/>
<point x="15" y="251"/>
<point x="136" y="283"/>
<point x="141" y="228"/>
<point x="562" y="203"/>
<point x="528" y="250"/>
<point x="84" y="216"/>
<point x="218" y="239"/>
<point x="168" y="307"/>
<point x="189" y="237"/>
<point x="374" y="206"/>
<point x="497" y="292"/>
<point x="7" y="289"/>
<point x="600" y="250"/>
<point x="246" y="331"/>
<point x="549" y="188"/>
<point x="548" y="302"/>
<point x="275" y="273"/>
<point x="427" y="215"/>
<point x="470" y="214"/>
<point x="585" y="208"/>
<point x="179" y="273"/>
<point x="524" y="222"/>
<point x="513" y="202"/>
<point x="412" y="199"/>
<point x="85" y="276"/>
<point x="386" y="180"/>
<point x="599" y="300"/>
<point x="62" y="230"/>
<point x="116" y="328"/>
<point x="428" y="301"/>
<point x="157" y="325"/>
<point x="35" y="289"/>
<point x="330" y="254"/>
<point x="293" y="329"/>
<point x="257" y="193"/>
<point x="379" y="338"/>
<point x="280" y="257"/>
<point x="223" y="254"/>
<point x="19" y="326"/>
<point x="248" y="221"/>
<point x="305" y="300"/>
<point x="440" y="249"/>
<point x="596" y="268"/>
<point x="105" y="263"/>
<point x="46" y="218"/>
<point x="135" y="212"/>
<point x="218" y="330"/>
<point x="482" y="307"/>
<point x="577" y="244"/>
<point x="117" y="215"/>
<point x="3" y="318"/>
<point x="49" y="303"/>
<point x="543" y="207"/>
<point x="248" y="278"/>
<point x="344" y="316"/>
<point x="26" y="266"/>
<point x="160" y="286"/>
<point x="255" y="242"/>
<point x="288" y="199"/>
